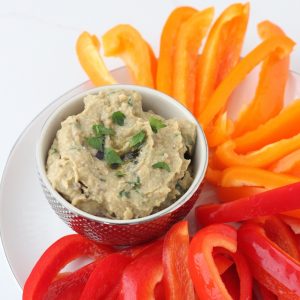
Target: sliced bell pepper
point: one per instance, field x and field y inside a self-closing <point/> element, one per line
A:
<point x="87" y="48"/>
<point x="265" y="294"/>
<point x="167" y="50"/>
<point x="228" y="194"/>
<point x="177" y="280"/>
<point x="281" y="45"/>
<point x="70" y="287"/>
<point x="127" y="43"/>
<point x="220" y="131"/>
<point x="269" y="97"/>
<point x="283" y="126"/>
<point x="222" y="262"/>
<point x="293" y="213"/>
<point x="159" y="291"/>
<point x="105" y="276"/>
<point x="280" y="233"/>
<point x="221" y="52"/>
<point x="141" y="276"/>
<point x="264" y="157"/>
<point x="247" y="176"/>
<point x="189" y="38"/>
<point x="270" y="265"/>
<point x="153" y="61"/>
<point x="292" y="222"/>
<point x="58" y="255"/>
<point x="287" y="163"/>
<point x="213" y="176"/>
<point x="204" y="272"/>
<point x="136" y="250"/>
<point x="267" y="203"/>
<point x="231" y="281"/>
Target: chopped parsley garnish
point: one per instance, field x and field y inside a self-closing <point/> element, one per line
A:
<point x="138" y="139"/>
<point x="135" y="184"/>
<point x="124" y="193"/>
<point x="53" y="150"/>
<point x="112" y="157"/>
<point x="161" y="165"/>
<point x="100" y="130"/>
<point x="96" y="142"/>
<point x="118" y="118"/>
<point x="156" y="124"/>
<point x="120" y="174"/>
<point x="130" y="101"/>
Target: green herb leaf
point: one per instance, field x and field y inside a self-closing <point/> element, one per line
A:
<point x="138" y="139"/>
<point x="118" y="118"/>
<point x="99" y="130"/>
<point x="130" y="103"/>
<point x="112" y="157"/>
<point x="161" y="165"/>
<point x="135" y="184"/>
<point x="120" y="174"/>
<point x="95" y="142"/>
<point x="156" y="124"/>
<point x="124" y="193"/>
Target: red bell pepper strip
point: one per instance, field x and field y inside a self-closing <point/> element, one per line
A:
<point x="177" y="280"/>
<point x="142" y="275"/>
<point x="293" y="223"/>
<point x="55" y="258"/>
<point x="204" y="272"/>
<point x="270" y="265"/>
<point x="281" y="234"/>
<point x="267" y="203"/>
<point x="134" y="251"/>
<point x="231" y="281"/>
<point x="222" y="262"/>
<point x="265" y="294"/>
<point x="159" y="291"/>
<point x="106" y="275"/>
<point x="70" y="287"/>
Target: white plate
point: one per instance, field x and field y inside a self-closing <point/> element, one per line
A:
<point x="27" y="223"/>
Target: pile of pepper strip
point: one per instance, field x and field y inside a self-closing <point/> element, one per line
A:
<point x="219" y="262"/>
<point x="254" y="166"/>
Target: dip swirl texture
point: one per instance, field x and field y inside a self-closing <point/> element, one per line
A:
<point x="117" y="161"/>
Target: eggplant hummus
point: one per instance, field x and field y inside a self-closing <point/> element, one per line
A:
<point x="117" y="161"/>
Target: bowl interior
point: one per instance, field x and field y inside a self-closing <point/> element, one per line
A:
<point x="152" y="100"/>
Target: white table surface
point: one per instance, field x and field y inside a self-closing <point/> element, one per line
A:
<point x="38" y="61"/>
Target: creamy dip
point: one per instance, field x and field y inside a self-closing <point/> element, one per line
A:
<point x="117" y="161"/>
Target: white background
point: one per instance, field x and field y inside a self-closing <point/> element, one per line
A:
<point x="38" y="61"/>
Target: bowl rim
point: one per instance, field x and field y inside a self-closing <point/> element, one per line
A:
<point x="178" y="203"/>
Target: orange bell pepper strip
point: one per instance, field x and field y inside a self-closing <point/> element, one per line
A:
<point x="220" y="131"/>
<point x="247" y="176"/>
<point x="269" y="96"/>
<point x="287" y="163"/>
<point x="226" y="153"/>
<point x="189" y="38"/>
<point x="280" y="45"/>
<point x="153" y="61"/>
<point x="87" y="48"/>
<point x="167" y="50"/>
<point x="213" y="176"/>
<point x="284" y="125"/>
<point x="221" y="52"/>
<point x="228" y="194"/>
<point x="127" y="43"/>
